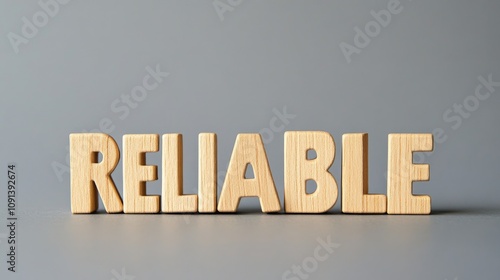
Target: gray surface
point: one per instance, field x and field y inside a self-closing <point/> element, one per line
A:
<point x="227" y="76"/>
<point x="452" y="244"/>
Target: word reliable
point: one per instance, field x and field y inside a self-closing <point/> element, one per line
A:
<point x="91" y="175"/>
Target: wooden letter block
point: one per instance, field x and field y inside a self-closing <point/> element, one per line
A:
<point x="136" y="173"/>
<point x="173" y="200"/>
<point x="87" y="173"/>
<point x="207" y="173"/>
<point x="355" y="197"/>
<point x="249" y="149"/>
<point x="299" y="169"/>
<point x="402" y="173"/>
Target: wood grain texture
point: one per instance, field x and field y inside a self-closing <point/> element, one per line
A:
<point x="136" y="173"/>
<point x="299" y="169"/>
<point x="207" y="173"/>
<point x="249" y="149"/>
<point x="355" y="197"/>
<point x="89" y="176"/>
<point x="173" y="199"/>
<point x="402" y="173"/>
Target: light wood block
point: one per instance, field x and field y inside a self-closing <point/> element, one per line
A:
<point x="136" y="173"/>
<point x="299" y="169"/>
<point x="87" y="174"/>
<point x="207" y="172"/>
<point x="173" y="199"/>
<point x="402" y="173"/>
<point x="249" y="149"/>
<point x="355" y="197"/>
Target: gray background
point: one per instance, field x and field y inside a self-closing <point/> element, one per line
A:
<point x="229" y="75"/>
